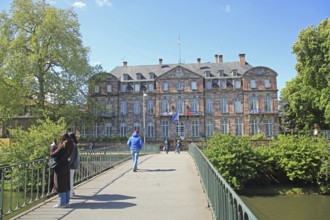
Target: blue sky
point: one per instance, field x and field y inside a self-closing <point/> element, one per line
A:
<point x="141" y="32"/>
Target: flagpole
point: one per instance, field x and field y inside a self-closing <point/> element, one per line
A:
<point x="179" y="43"/>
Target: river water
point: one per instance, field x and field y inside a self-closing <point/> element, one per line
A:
<point x="289" y="207"/>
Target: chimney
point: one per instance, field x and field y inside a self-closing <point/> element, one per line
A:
<point x="216" y="58"/>
<point x="125" y="63"/>
<point x="160" y="63"/>
<point x="241" y="59"/>
<point x="198" y="62"/>
<point x="220" y="59"/>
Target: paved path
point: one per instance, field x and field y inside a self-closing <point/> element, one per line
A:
<point x="166" y="187"/>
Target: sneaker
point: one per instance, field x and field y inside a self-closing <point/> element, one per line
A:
<point x="67" y="206"/>
<point x="58" y="206"/>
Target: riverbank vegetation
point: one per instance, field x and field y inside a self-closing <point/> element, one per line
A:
<point x="296" y="160"/>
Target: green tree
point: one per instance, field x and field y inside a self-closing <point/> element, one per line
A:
<point x="33" y="143"/>
<point x="307" y="96"/>
<point x="43" y="63"/>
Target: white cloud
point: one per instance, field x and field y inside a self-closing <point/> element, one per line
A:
<point x="227" y="8"/>
<point x="102" y="3"/>
<point x="79" y="5"/>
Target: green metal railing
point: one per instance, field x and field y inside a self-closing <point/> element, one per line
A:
<point x="24" y="184"/>
<point x="223" y="200"/>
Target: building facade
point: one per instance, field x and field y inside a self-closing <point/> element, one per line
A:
<point x="186" y="101"/>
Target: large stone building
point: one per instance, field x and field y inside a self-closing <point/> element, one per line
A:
<point x="187" y="101"/>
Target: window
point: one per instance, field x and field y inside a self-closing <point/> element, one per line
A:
<point x="95" y="130"/>
<point x="150" y="87"/>
<point x="83" y="131"/>
<point x="180" y="129"/>
<point x="126" y="76"/>
<point x="194" y="105"/>
<point x="122" y="129"/>
<point x="209" y="129"/>
<point x="209" y="106"/>
<point x="223" y="105"/>
<point x="108" y="128"/>
<point x="237" y="84"/>
<point x="223" y="84"/>
<point x="137" y="126"/>
<point x="150" y="106"/>
<point x="150" y="130"/>
<point x="179" y="105"/>
<point x="193" y="85"/>
<point x="96" y="89"/>
<point x="268" y="104"/>
<point x="137" y="87"/>
<point x="165" y="86"/>
<point x="267" y="83"/>
<point x="95" y="109"/>
<point x="238" y="127"/>
<point x="151" y="76"/>
<point x="109" y="88"/>
<point x="238" y="105"/>
<point x="123" y="88"/>
<point x="208" y="85"/>
<point x="108" y="107"/>
<point x="224" y="126"/>
<point x="254" y="104"/>
<point x="139" y="76"/>
<point x="137" y="107"/>
<point x="165" y="105"/>
<point x="254" y="127"/>
<point x="269" y="128"/>
<point x="123" y="107"/>
<point x="207" y="73"/>
<point x="179" y="86"/>
<point x="165" y="129"/>
<point x="195" y="128"/>
<point x="253" y="84"/>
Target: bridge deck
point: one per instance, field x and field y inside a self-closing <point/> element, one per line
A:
<point x="166" y="186"/>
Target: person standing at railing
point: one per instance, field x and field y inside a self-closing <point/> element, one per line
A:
<point x="62" y="171"/>
<point x="135" y="143"/>
<point x="74" y="161"/>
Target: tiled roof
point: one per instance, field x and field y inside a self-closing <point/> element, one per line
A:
<point x="145" y="70"/>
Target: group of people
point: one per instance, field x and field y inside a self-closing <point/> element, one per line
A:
<point x="66" y="152"/>
<point x="178" y="146"/>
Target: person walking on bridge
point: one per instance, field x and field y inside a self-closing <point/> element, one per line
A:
<point x="135" y="144"/>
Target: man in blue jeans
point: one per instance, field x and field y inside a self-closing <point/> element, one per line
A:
<point x="135" y="143"/>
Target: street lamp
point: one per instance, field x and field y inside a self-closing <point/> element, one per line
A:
<point x="144" y="117"/>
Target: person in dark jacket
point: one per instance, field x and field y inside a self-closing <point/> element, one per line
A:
<point x="135" y="143"/>
<point x="74" y="161"/>
<point x="62" y="171"/>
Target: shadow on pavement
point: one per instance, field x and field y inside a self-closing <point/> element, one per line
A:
<point x="156" y="170"/>
<point x="104" y="197"/>
<point x="102" y="201"/>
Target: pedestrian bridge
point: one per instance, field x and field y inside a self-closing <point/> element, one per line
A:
<point x="166" y="186"/>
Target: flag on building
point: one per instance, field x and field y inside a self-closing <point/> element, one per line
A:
<point x="175" y="117"/>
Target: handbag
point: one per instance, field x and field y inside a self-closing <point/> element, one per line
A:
<point x="53" y="162"/>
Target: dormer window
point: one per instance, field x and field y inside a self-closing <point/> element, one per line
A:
<point x="207" y="73"/>
<point x="152" y="76"/>
<point x="234" y="72"/>
<point x="126" y="76"/>
<point x="221" y="73"/>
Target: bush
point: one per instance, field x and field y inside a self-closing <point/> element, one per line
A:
<point x="234" y="158"/>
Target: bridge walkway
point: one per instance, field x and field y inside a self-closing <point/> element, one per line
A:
<point x="165" y="187"/>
